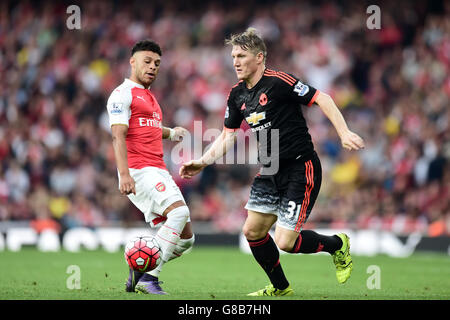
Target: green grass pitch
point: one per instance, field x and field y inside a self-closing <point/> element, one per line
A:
<point x="222" y="273"/>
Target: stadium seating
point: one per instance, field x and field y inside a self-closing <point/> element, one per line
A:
<point x="392" y="84"/>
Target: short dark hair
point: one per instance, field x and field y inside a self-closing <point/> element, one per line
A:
<point x="249" y="40"/>
<point x="146" y="45"/>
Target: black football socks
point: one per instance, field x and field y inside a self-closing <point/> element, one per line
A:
<point x="309" y="241"/>
<point x="267" y="255"/>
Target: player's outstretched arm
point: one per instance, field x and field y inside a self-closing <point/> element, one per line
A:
<point x="218" y="149"/>
<point x="173" y="134"/>
<point x="349" y="139"/>
<point x="126" y="182"/>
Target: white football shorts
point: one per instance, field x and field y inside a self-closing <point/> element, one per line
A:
<point x="155" y="191"/>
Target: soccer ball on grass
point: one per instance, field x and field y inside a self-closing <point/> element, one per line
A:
<point x="143" y="253"/>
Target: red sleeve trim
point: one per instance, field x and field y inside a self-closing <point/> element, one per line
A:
<point x="313" y="98"/>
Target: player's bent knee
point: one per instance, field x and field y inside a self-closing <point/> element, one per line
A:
<point x="284" y="243"/>
<point x="177" y="218"/>
<point x="252" y="233"/>
<point x="257" y="225"/>
<point x="182" y="212"/>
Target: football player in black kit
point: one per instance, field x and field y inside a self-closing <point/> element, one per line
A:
<point x="285" y="189"/>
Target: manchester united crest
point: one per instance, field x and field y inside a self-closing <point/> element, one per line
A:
<point x="263" y="99"/>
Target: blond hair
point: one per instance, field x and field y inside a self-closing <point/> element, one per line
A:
<point x="248" y="40"/>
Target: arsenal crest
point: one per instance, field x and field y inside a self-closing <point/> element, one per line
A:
<point x="160" y="187"/>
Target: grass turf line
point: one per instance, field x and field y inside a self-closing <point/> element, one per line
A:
<point x="221" y="273"/>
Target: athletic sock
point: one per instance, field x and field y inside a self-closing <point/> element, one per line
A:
<point x="182" y="246"/>
<point x="155" y="272"/>
<point x="169" y="235"/>
<point x="267" y="255"/>
<point x="309" y="241"/>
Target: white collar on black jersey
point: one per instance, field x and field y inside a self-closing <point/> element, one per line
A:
<point x="135" y="83"/>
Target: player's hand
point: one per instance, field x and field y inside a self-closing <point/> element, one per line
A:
<point x="127" y="184"/>
<point x="351" y="141"/>
<point x="191" y="168"/>
<point x="178" y="134"/>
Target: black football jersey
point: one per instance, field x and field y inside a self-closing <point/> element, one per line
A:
<point x="273" y="103"/>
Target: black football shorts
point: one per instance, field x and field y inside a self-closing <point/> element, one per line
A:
<point x="290" y="194"/>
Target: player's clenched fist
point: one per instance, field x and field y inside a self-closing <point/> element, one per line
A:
<point x="127" y="184"/>
<point x="191" y="168"/>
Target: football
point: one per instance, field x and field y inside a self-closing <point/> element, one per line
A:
<point x="143" y="253"/>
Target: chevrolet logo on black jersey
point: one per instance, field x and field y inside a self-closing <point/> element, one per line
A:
<point x="254" y="118"/>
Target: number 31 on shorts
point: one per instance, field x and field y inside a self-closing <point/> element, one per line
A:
<point x="293" y="209"/>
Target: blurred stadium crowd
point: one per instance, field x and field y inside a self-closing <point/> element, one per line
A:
<point x="57" y="168"/>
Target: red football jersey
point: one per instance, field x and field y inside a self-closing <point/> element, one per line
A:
<point x="135" y="106"/>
